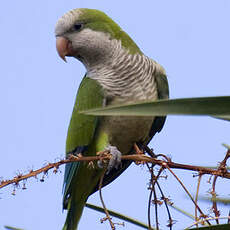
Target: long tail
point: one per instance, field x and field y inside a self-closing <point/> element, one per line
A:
<point x="74" y="214"/>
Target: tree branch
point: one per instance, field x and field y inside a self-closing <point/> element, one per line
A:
<point x="135" y="157"/>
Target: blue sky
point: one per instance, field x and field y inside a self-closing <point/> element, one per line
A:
<point x="37" y="91"/>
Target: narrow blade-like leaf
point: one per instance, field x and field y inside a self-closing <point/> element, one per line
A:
<point x="223" y="117"/>
<point x="119" y="215"/>
<point x="214" y="106"/>
<point x="214" y="227"/>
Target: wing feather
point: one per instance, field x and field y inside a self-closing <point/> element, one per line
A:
<point x="81" y="128"/>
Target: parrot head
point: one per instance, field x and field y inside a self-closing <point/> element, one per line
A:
<point x="90" y="36"/>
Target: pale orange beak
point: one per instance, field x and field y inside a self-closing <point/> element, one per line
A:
<point x="64" y="47"/>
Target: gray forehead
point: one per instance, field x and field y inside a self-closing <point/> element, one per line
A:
<point x="67" y="21"/>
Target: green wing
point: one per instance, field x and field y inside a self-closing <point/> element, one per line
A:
<point x="81" y="128"/>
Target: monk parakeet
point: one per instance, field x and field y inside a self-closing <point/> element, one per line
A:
<point x="117" y="72"/>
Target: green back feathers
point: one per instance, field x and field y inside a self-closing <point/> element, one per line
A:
<point x="99" y="21"/>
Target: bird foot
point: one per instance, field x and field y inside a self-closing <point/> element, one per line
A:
<point x="115" y="160"/>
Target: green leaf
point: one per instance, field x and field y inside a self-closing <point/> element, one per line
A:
<point x="119" y="215"/>
<point x="226" y="146"/>
<point x="12" y="228"/>
<point x="181" y="210"/>
<point x="223" y="117"/>
<point x="213" y="106"/>
<point x="222" y="200"/>
<point x="215" y="227"/>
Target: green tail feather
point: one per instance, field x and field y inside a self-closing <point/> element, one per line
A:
<point x="74" y="214"/>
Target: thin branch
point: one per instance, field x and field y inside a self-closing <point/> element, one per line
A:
<point x="196" y="198"/>
<point x="153" y="181"/>
<point x="103" y="204"/>
<point x="214" y="204"/>
<point x="150" y="198"/>
<point x="134" y="157"/>
<point x="222" y="168"/>
<point x="156" y="209"/>
<point x="166" y="200"/>
<point x="167" y="163"/>
<point x="190" y="196"/>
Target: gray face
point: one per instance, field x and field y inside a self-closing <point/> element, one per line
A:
<point x="89" y="46"/>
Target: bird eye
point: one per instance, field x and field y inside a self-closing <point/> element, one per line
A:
<point x="77" y="27"/>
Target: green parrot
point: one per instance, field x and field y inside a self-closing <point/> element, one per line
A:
<point x="117" y="72"/>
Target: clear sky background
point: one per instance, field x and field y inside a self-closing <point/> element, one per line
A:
<point x="191" y="39"/>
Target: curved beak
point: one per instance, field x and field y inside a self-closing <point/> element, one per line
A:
<point x="64" y="47"/>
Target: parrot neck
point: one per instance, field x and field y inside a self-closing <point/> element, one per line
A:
<point x="124" y="75"/>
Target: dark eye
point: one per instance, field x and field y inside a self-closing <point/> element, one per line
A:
<point x="77" y="26"/>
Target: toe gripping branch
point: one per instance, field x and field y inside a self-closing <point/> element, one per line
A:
<point x="114" y="162"/>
